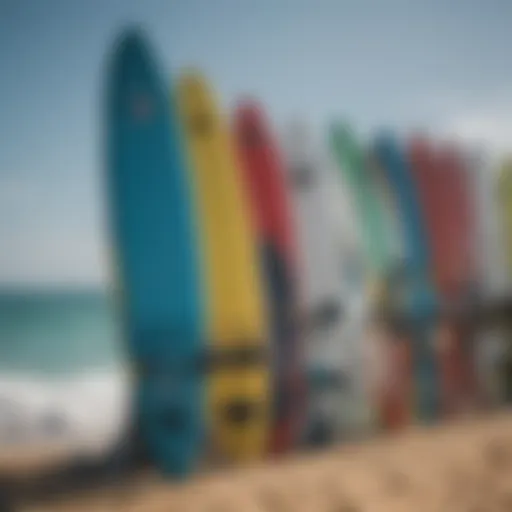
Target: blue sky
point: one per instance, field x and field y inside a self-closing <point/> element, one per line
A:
<point x="443" y="65"/>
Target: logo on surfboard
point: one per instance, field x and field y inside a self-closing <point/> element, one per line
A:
<point x="141" y="106"/>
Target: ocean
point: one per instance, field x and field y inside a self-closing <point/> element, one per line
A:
<point x="52" y="333"/>
<point x="64" y="373"/>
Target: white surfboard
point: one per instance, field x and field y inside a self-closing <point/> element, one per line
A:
<point x="332" y="305"/>
<point x="491" y="269"/>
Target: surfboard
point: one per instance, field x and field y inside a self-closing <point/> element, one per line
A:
<point x="390" y="393"/>
<point x="415" y="295"/>
<point x="444" y="205"/>
<point x="505" y="187"/>
<point x="238" y="384"/>
<point x="327" y="355"/>
<point x="458" y="282"/>
<point x="491" y="271"/>
<point x="265" y="176"/>
<point x="504" y="196"/>
<point x="360" y="358"/>
<point x="155" y="250"/>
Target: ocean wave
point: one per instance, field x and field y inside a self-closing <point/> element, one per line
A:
<point x="84" y="413"/>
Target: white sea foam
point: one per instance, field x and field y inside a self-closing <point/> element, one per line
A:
<point x="83" y="414"/>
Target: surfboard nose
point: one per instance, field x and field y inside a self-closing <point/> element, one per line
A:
<point x="130" y="43"/>
<point x="193" y="80"/>
<point x="133" y="62"/>
<point x="134" y="85"/>
<point x="248" y="110"/>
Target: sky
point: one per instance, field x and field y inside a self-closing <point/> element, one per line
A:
<point x="438" y="65"/>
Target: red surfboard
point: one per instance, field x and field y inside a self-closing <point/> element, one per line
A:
<point x="265" y="176"/>
<point x="445" y="198"/>
<point x="459" y="270"/>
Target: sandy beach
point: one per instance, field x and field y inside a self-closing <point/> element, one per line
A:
<point x="462" y="466"/>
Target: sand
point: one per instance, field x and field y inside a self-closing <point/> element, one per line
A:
<point x="463" y="466"/>
<point x="16" y="460"/>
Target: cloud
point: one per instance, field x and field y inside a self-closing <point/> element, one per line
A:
<point x="477" y="118"/>
<point x="494" y="131"/>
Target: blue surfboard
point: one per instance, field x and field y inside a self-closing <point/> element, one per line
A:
<point x="416" y="297"/>
<point x="156" y="255"/>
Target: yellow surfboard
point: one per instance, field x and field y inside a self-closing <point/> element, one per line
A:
<point x="238" y="384"/>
